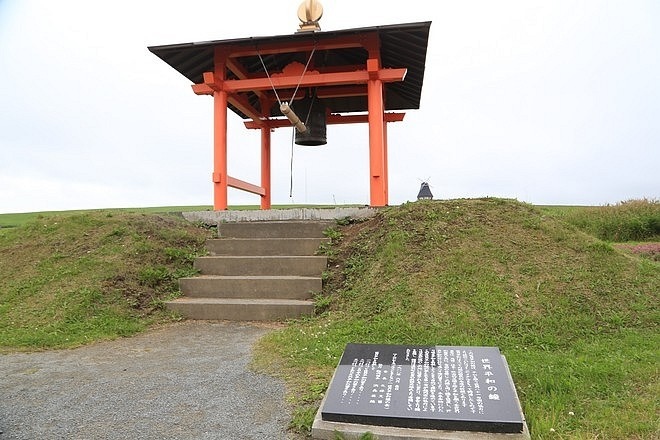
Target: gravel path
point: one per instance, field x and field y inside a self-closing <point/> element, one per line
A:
<point x="185" y="381"/>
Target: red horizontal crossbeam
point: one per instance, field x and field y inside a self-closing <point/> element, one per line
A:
<point x="245" y="186"/>
<point x="336" y="79"/>
<point x="284" y="82"/>
<point x="332" y="119"/>
<point x="238" y="101"/>
<point x="202" y="89"/>
<point x="328" y="92"/>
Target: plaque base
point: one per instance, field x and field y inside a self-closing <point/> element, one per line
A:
<point x="324" y="430"/>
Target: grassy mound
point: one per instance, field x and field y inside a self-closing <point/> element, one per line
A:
<point x="76" y="278"/>
<point x="576" y="318"/>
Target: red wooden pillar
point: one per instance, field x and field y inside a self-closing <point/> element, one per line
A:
<point x="386" y="175"/>
<point x="265" y="167"/>
<point x="377" y="152"/>
<point x="265" y="156"/>
<point x="220" y="150"/>
<point x="219" y="136"/>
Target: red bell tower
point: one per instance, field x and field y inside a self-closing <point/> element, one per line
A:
<point x="363" y="75"/>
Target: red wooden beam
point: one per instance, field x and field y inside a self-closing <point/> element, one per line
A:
<point x="332" y="119"/>
<point x="284" y="82"/>
<point x="341" y="91"/>
<point x="327" y="92"/>
<point x="235" y="66"/>
<point x="292" y="81"/>
<point x="202" y="89"/>
<point x="245" y="186"/>
<point x="241" y="103"/>
<point x="353" y="119"/>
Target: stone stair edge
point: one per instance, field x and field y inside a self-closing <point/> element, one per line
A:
<point x="280" y="215"/>
<point x="255" y="301"/>
<point x="283" y="239"/>
<point x="262" y="257"/>
<point x="251" y="277"/>
<point x="234" y="282"/>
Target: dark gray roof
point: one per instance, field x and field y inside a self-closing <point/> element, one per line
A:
<point x="402" y="46"/>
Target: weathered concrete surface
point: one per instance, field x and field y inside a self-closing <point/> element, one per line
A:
<point x="251" y="287"/>
<point x="265" y="246"/>
<point x="275" y="229"/>
<point x="242" y="309"/>
<point x="217" y="217"/>
<point x="306" y="266"/>
<point x="258" y="271"/>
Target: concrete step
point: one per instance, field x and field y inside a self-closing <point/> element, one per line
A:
<point x="265" y="246"/>
<point x="275" y="287"/>
<point x="257" y="265"/>
<point x="257" y="271"/>
<point x="241" y="309"/>
<point x="283" y="229"/>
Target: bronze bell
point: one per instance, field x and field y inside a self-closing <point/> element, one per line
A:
<point x="312" y="112"/>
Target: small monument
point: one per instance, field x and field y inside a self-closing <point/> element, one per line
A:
<point x="421" y="392"/>
<point x="425" y="192"/>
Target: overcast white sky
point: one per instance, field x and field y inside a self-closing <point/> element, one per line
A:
<point x="548" y="102"/>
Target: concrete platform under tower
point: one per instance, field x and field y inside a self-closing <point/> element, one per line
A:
<point x="217" y="217"/>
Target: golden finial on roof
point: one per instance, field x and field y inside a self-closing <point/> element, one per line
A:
<point x="309" y="13"/>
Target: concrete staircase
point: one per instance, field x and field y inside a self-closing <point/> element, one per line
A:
<point x="257" y="271"/>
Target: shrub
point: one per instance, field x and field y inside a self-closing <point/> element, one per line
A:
<point x="632" y="220"/>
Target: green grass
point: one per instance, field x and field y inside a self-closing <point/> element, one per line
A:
<point x="576" y="318"/>
<point x="632" y="220"/>
<point x="67" y="280"/>
<point x="16" y="219"/>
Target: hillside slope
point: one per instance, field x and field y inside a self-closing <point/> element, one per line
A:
<point x="576" y="318"/>
<point x="72" y="279"/>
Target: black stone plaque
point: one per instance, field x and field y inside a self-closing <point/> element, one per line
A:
<point x="425" y="387"/>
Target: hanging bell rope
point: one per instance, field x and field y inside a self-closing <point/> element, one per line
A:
<point x="303" y="74"/>
<point x="285" y="108"/>
<point x="293" y="135"/>
<point x="269" y="79"/>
